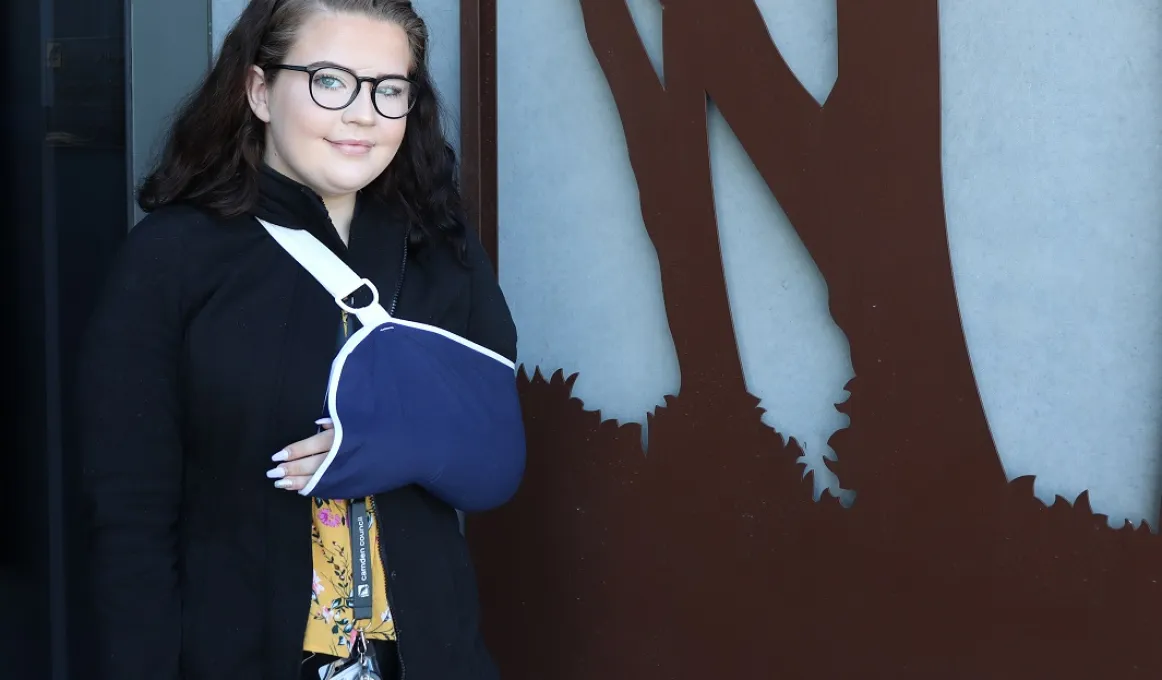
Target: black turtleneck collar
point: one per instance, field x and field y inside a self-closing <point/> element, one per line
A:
<point x="375" y="246"/>
<point x="287" y="203"/>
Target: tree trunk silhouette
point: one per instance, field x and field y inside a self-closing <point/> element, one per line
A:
<point x="860" y="179"/>
<point x="666" y="127"/>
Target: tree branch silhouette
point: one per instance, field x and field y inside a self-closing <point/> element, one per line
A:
<point x="665" y="131"/>
<point x="623" y="57"/>
<point x="745" y="53"/>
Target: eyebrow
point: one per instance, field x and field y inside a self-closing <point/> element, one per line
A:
<point x="322" y="64"/>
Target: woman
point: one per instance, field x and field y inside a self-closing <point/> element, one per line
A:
<point x="208" y="356"/>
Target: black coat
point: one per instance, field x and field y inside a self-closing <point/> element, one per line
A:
<point x="209" y="351"/>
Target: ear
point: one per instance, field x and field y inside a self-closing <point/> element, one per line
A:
<point x="257" y="92"/>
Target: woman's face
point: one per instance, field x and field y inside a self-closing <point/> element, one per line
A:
<point x="336" y="153"/>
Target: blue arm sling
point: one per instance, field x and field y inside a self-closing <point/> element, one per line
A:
<point x="411" y="403"/>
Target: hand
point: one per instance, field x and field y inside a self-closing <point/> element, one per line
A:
<point x="297" y="462"/>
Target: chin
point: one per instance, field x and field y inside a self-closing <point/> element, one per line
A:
<point x="349" y="183"/>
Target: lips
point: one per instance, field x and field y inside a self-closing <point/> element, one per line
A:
<point x="351" y="147"/>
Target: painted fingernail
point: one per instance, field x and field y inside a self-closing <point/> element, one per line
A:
<point x="282" y="484"/>
<point x="280" y="456"/>
<point x="276" y="473"/>
<point x="323" y="421"/>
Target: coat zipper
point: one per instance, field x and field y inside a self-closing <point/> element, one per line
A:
<point x="390" y="603"/>
<point x="374" y="507"/>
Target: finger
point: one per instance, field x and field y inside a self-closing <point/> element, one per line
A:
<point x="318" y="443"/>
<point x="292" y="483"/>
<point x="325" y="423"/>
<point x="297" y="468"/>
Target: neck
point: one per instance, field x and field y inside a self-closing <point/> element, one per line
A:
<point x="341" y="209"/>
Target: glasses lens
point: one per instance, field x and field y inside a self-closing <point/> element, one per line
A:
<point x="394" y="97"/>
<point x="332" y="88"/>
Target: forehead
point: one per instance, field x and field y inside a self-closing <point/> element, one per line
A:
<point x="366" y="45"/>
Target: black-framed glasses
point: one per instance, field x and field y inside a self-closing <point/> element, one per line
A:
<point x="335" y="87"/>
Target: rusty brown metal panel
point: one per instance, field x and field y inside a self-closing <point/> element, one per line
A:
<point x="708" y="557"/>
<point x="478" y="116"/>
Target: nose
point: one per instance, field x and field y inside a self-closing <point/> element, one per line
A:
<point x="362" y="110"/>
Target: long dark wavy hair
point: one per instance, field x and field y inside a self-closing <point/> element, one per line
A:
<point x="215" y="147"/>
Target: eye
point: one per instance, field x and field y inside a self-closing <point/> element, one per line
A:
<point x="393" y="88"/>
<point x="329" y="82"/>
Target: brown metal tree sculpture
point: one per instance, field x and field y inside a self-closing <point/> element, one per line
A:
<point x="708" y="557"/>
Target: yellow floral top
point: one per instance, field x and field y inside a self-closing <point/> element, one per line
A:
<point x="330" y="628"/>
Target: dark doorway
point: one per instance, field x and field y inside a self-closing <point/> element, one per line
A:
<point x="67" y="185"/>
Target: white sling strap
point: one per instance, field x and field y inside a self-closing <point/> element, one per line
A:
<point x="330" y="271"/>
